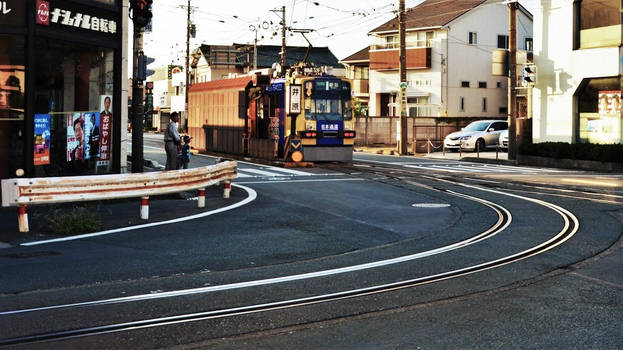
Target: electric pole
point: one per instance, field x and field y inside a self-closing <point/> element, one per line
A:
<point x="188" y="28"/>
<point x="512" y="85"/>
<point x="283" y="41"/>
<point x="403" y="80"/>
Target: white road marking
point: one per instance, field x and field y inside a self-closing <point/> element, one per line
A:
<point x="261" y="172"/>
<point x="252" y="196"/>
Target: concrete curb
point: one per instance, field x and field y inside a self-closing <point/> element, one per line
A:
<point x="589" y="165"/>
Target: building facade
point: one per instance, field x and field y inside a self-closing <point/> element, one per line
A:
<point x="62" y="83"/>
<point x="578" y="55"/>
<point x="449" y="59"/>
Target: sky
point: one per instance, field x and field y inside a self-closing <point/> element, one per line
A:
<point x="341" y="25"/>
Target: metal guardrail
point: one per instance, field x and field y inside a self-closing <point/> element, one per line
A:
<point x="22" y="192"/>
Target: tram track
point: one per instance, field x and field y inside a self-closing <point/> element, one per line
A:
<point x="570" y="227"/>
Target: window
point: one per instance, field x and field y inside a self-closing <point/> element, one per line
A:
<point x="391" y="42"/>
<point x="598" y="23"/>
<point x="484" y="104"/>
<point x="418" y="106"/>
<point x="465" y="83"/>
<point x="472" y="38"/>
<point x="503" y="110"/>
<point x="74" y="86"/>
<point x="529" y="45"/>
<point x="12" y="92"/>
<point x="498" y="84"/>
<point x="599" y="105"/>
<point x="497" y="126"/>
<point x="482" y="84"/>
<point x="503" y="42"/>
<point x="462" y="104"/>
<point x="361" y="73"/>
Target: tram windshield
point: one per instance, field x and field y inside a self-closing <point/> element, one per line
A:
<point x="330" y="100"/>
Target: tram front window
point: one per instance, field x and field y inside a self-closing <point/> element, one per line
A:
<point x="326" y="109"/>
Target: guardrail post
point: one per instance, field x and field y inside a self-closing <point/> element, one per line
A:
<point x="22" y="219"/>
<point x="144" y="208"/>
<point x="201" y="198"/>
<point x="226" y="189"/>
<point x="428" y="147"/>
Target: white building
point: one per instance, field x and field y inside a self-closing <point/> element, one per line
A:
<point x="449" y="59"/>
<point x="577" y="51"/>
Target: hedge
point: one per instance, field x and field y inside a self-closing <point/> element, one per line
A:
<point x="579" y="151"/>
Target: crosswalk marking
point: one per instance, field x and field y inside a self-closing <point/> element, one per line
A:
<point x="262" y="172"/>
<point x="477" y="168"/>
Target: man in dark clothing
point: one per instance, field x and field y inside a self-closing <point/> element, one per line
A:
<point x="172" y="142"/>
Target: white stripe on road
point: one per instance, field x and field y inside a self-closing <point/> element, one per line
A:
<point x="252" y="196"/>
<point x="261" y="172"/>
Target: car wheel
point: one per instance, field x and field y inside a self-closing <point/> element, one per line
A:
<point x="480" y="145"/>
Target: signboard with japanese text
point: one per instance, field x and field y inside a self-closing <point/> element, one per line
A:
<point x="294" y="93"/>
<point x="12" y="13"/>
<point x="61" y="14"/>
<point x="42" y="139"/>
<point x="106" y="118"/>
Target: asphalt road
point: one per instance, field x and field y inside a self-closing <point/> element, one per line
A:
<point x="386" y="253"/>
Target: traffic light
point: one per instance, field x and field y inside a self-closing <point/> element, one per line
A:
<point x="529" y="74"/>
<point x="141" y="12"/>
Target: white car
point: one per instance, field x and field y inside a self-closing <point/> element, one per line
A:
<point x="478" y="135"/>
<point x="504" y="139"/>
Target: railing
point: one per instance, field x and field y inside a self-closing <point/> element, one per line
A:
<point x="22" y="192"/>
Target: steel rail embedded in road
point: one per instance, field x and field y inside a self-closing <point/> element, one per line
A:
<point x="570" y="227"/>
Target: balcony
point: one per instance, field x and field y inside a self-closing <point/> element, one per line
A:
<point x="388" y="59"/>
<point x="410" y="44"/>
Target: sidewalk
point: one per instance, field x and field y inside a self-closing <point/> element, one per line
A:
<point x="487" y="156"/>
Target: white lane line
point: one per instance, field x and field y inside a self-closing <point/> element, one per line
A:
<point x="262" y="172"/>
<point x="492" y="231"/>
<point x="294" y="181"/>
<point x="289" y="171"/>
<point x="252" y="196"/>
<point x="241" y="175"/>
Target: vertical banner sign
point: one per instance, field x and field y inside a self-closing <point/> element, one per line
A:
<point x="75" y="136"/>
<point x="92" y="135"/>
<point x="42" y="139"/>
<point x="105" y="128"/>
<point x="294" y="99"/>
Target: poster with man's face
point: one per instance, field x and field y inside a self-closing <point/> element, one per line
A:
<point x="105" y="124"/>
<point x="75" y="136"/>
<point x="92" y="135"/>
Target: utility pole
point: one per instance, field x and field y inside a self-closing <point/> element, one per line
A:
<point x="283" y="41"/>
<point x="512" y="85"/>
<point x="137" y="105"/>
<point x="403" y="80"/>
<point x="188" y="27"/>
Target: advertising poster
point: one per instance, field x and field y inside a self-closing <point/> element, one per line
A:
<point x="42" y="139"/>
<point x="105" y="128"/>
<point x="92" y="135"/>
<point x="610" y="102"/>
<point x="75" y="136"/>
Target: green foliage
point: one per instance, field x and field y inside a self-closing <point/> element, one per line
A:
<point x="360" y="109"/>
<point x="612" y="153"/>
<point x="77" y="221"/>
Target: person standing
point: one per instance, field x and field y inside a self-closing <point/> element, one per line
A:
<point x="171" y="142"/>
<point x="186" y="154"/>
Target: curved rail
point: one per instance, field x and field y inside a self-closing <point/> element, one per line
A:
<point x="570" y="227"/>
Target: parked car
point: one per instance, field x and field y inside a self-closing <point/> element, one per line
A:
<point x="504" y="140"/>
<point x="478" y="135"/>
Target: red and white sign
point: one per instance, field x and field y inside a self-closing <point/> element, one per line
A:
<point x="43" y="12"/>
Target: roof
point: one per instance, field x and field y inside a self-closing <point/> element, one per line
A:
<point x="431" y="13"/>
<point x="269" y="54"/>
<point x="235" y="83"/>
<point x="361" y="55"/>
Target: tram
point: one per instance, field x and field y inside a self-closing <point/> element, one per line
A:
<point x="306" y="116"/>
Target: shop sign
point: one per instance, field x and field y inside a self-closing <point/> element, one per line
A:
<point x="294" y="99"/>
<point x="12" y="12"/>
<point x="42" y="139"/>
<point x="73" y="19"/>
